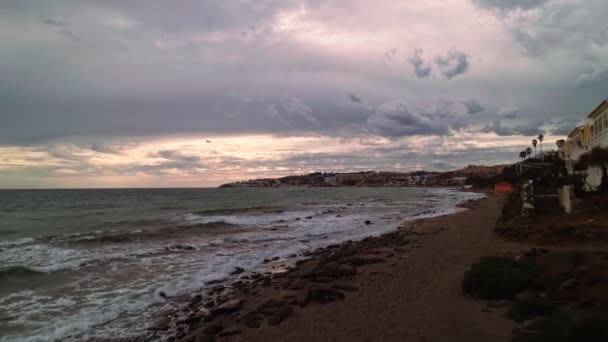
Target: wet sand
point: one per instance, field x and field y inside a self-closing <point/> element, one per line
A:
<point x="401" y="286"/>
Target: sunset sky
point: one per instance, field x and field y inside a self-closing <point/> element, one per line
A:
<point x="197" y="93"/>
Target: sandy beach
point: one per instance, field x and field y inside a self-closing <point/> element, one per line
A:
<point x="404" y="285"/>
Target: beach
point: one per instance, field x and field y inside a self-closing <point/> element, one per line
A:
<point x="403" y="285"/>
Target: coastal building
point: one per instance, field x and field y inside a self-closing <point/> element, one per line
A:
<point x="593" y="133"/>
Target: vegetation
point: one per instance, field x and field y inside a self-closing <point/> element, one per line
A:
<point x="500" y="278"/>
<point x="564" y="326"/>
<point x="529" y="308"/>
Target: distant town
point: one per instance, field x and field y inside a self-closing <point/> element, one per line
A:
<point x="472" y="175"/>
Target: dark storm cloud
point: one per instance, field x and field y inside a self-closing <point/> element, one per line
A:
<point x="453" y="64"/>
<point x="421" y="68"/>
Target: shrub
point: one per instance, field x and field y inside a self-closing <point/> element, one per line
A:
<point x="500" y="278"/>
<point x="562" y="326"/>
<point x="526" y="309"/>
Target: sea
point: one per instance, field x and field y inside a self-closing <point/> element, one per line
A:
<point x="79" y="265"/>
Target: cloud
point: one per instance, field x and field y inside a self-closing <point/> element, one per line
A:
<point x="509" y="5"/>
<point x="421" y="68"/>
<point x="397" y="118"/>
<point x="292" y="113"/>
<point x="160" y="71"/>
<point x="178" y="156"/>
<point x="453" y="64"/>
<point x="473" y="106"/>
<point x="54" y="22"/>
<point x="530" y="129"/>
<point x="354" y="98"/>
<point x="597" y="74"/>
<point x="62" y="29"/>
<point x="510" y="112"/>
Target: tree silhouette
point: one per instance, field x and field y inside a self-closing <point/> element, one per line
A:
<point x="522" y="155"/>
<point x="534" y="142"/>
<point x="528" y="152"/>
<point x="541" y="137"/>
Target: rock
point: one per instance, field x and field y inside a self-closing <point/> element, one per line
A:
<point x="230" y="332"/>
<point x="252" y="320"/>
<point x="368" y="222"/>
<point x="308" y="217"/>
<point x="298" y="285"/>
<point x="213" y="329"/>
<point x="338" y="215"/>
<point x="344" y="286"/>
<point x="525" y="295"/>
<point x="228" y="307"/>
<point x="280" y="315"/>
<point x="237" y="270"/>
<point x="321" y="294"/>
<point x="567" y="284"/>
<point x="358" y="261"/>
<point x="205" y="338"/>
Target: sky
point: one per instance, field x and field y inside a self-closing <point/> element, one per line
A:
<point x="156" y="93"/>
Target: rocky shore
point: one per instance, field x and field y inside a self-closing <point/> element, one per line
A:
<point x="256" y="306"/>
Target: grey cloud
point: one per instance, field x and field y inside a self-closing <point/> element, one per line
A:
<point x="54" y="22"/>
<point x="395" y="119"/>
<point x="508" y="112"/>
<point x="597" y="74"/>
<point x="453" y="64"/>
<point x="473" y="107"/>
<point x="63" y="29"/>
<point x="530" y="129"/>
<point x="421" y="68"/>
<point x="354" y="98"/>
<point x="509" y="5"/>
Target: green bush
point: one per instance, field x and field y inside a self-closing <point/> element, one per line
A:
<point x="500" y="278"/>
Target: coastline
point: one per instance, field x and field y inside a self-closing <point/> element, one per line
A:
<point x="398" y="285"/>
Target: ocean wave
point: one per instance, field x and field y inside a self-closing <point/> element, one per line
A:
<point x="232" y="211"/>
<point x="14" y="271"/>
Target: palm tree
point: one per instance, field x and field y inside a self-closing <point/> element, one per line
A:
<point x="540" y="138"/>
<point x="534" y="142"/>
<point x="528" y="152"/>
<point x="522" y="155"/>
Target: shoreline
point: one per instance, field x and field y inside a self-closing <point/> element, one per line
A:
<point x="258" y="303"/>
